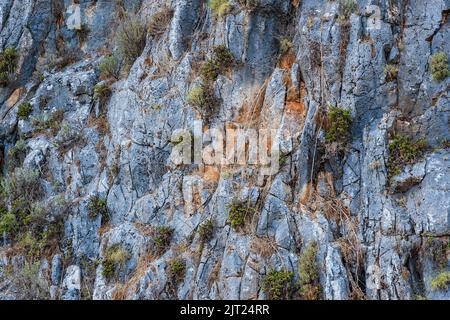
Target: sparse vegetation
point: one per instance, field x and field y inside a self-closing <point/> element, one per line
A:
<point x="109" y="67"/>
<point x="202" y="98"/>
<point x="441" y="281"/>
<point x="8" y="65"/>
<point x="97" y="206"/>
<point x="221" y="61"/>
<point x="285" y="45"/>
<point x="114" y="261"/>
<point x="309" y="273"/>
<point x="130" y="38"/>
<point x="205" y="230"/>
<point x="82" y="33"/>
<point x="177" y="270"/>
<point x="16" y="155"/>
<point x="162" y="239"/>
<point x="220" y="8"/>
<point x="278" y="284"/>
<point x="439" y="66"/>
<point x="403" y="151"/>
<point x="24" y="110"/>
<point x="239" y="213"/>
<point x="159" y="22"/>
<point x="347" y="8"/>
<point x="102" y="92"/>
<point x="339" y="121"/>
<point x="33" y="226"/>
<point x="29" y="283"/>
<point x="45" y="121"/>
<point x="391" y="72"/>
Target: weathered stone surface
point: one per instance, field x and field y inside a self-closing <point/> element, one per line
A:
<point x="371" y="232"/>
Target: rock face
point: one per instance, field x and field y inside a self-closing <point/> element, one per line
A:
<point x="129" y="211"/>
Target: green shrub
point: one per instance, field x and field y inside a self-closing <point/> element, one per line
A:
<point x="102" y="92"/>
<point x="277" y="284"/>
<point x="35" y="226"/>
<point x="109" y="67"/>
<point x="16" y="155"/>
<point x="97" y="206"/>
<point x="130" y="38"/>
<point x="8" y="65"/>
<point x="285" y="45"/>
<point x="162" y="239"/>
<point x="28" y="283"/>
<point x="309" y="273"/>
<point x="206" y="230"/>
<point x="202" y="98"/>
<point x="221" y="61"/>
<point x="114" y="261"/>
<point x="239" y="214"/>
<point x="177" y="270"/>
<point x="209" y="71"/>
<point x="441" y="281"/>
<point x="391" y="72"/>
<point x="347" y="8"/>
<point x="45" y="121"/>
<point x="220" y="8"/>
<point x="25" y="110"/>
<point x="8" y="223"/>
<point x="403" y="151"/>
<point x="22" y="183"/>
<point x="159" y="22"/>
<point x="439" y="66"/>
<point x="339" y="122"/>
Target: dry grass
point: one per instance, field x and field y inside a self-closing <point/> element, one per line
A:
<point x="122" y="290"/>
<point x="264" y="246"/>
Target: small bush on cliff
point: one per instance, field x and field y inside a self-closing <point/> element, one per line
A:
<point x="162" y="239"/>
<point x="339" y="121"/>
<point x="441" y="281"/>
<point x="159" y="22"/>
<point x="177" y="269"/>
<point x="45" y="121"/>
<point x="102" y="92"/>
<point x="309" y="273"/>
<point x="202" y="98"/>
<point x="239" y="214"/>
<point x="221" y="61"/>
<point x="278" y="284"/>
<point x="114" y="260"/>
<point x="403" y="151"/>
<point x="16" y="155"/>
<point x="97" y="206"/>
<point x="206" y="230"/>
<point x="347" y="8"/>
<point x="285" y="45"/>
<point x="130" y="38"/>
<point x="109" y="67"/>
<point x="439" y="66"/>
<point x="8" y="223"/>
<point x="24" y="110"/>
<point x="220" y="8"/>
<point x="391" y="72"/>
<point x="8" y="65"/>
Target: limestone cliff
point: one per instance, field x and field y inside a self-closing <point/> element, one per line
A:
<point x="95" y="205"/>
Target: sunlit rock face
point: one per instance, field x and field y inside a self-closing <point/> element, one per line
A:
<point x="349" y="197"/>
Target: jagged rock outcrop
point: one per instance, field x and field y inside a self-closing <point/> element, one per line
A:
<point x="128" y="211"/>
